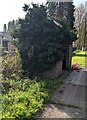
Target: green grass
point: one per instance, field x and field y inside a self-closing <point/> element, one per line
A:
<point x="80" y="57"/>
<point x="80" y="52"/>
<point x="50" y="86"/>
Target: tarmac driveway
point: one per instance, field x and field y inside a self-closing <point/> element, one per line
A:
<point x="69" y="99"/>
<point x="72" y="92"/>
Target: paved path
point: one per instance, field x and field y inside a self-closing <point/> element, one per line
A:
<point x="69" y="99"/>
<point x="78" y="77"/>
<point x="73" y="91"/>
<point x="59" y="111"/>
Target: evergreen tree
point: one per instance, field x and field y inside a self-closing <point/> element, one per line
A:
<point x="42" y="42"/>
<point x="12" y="25"/>
<point x="69" y="13"/>
<point x="62" y="10"/>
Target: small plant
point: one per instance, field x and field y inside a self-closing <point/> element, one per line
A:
<point x="23" y="99"/>
<point x="50" y="86"/>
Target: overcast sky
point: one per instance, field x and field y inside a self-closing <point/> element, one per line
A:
<point x="12" y="9"/>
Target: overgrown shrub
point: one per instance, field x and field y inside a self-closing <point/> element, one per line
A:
<point x="21" y="97"/>
<point x="43" y="42"/>
<point x="11" y="64"/>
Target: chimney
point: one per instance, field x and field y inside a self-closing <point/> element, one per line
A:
<point x="4" y="28"/>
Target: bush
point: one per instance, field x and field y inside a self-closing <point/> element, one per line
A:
<point x="23" y="99"/>
<point x="42" y="43"/>
<point x="11" y="64"/>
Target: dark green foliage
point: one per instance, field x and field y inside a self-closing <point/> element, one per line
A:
<point x="62" y="10"/>
<point x="51" y="9"/>
<point x="42" y="42"/>
<point x="70" y="8"/>
<point x="50" y="86"/>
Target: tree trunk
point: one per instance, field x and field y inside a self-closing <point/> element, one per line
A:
<point x="68" y="58"/>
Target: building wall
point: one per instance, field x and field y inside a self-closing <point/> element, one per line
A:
<point x="5" y="44"/>
<point x="5" y="39"/>
<point x="55" y="72"/>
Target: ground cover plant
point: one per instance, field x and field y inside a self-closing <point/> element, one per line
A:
<point x="23" y="98"/>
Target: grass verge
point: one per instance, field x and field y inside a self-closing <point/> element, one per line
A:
<point x="80" y="57"/>
<point x="50" y="86"/>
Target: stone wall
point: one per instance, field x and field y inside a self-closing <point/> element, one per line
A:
<point x="55" y="72"/>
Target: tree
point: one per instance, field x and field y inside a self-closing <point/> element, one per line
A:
<point x="64" y="11"/>
<point x="85" y="34"/>
<point x="80" y="25"/>
<point x="42" y="42"/>
<point x="12" y="26"/>
<point x="69" y="13"/>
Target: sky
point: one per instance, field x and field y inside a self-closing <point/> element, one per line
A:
<point x="12" y="9"/>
